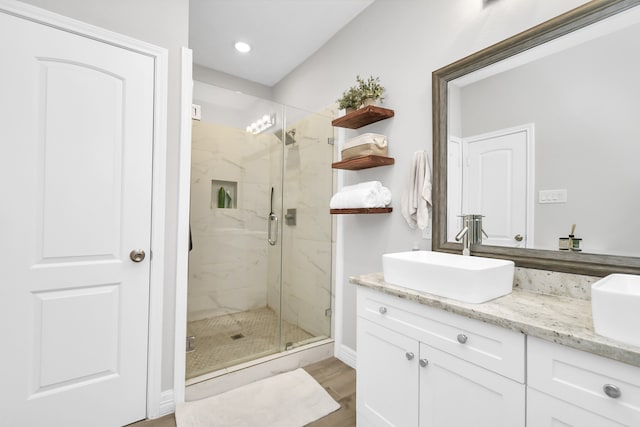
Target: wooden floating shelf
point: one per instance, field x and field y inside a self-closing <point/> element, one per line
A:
<point x="364" y="162"/>
<point x="362" y="117"/>
<point x="360" y="211"/>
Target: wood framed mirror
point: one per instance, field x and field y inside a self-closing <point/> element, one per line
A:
<point x="602" y="254"/>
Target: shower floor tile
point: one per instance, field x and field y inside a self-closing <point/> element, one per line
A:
<point x="225" y="341"/>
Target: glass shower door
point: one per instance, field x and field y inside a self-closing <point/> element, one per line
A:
<point x="260" y="267"/>
<point x="306" y="230"/>
<point x="235" y="260"/>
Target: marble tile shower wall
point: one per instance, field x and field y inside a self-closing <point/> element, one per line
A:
<point x="306" y="290"/>
<point x="228" y="265"/>
<point x="231" y="267"/>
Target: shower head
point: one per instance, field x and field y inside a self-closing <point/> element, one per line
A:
<point x="290" y="137"/>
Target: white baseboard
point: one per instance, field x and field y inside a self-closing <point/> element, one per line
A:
<point x="346" y="355"/>
<point x="167" y="403"/>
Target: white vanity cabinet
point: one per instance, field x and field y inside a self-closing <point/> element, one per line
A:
<point x="387" y="377"/>
<point x="573" y="388"/>
<point x="420" y="366"/>
<point x="454" y="392"/>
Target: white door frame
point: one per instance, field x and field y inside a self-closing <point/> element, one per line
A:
<point x="182" y="236"/>
<point x="529" y="130"/>
<point x="156" y="279"/>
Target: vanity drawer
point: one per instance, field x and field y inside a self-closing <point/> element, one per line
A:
<point x="497" y="349"/>
<point x="545" y="410"/>
<point x="580" y="378"/>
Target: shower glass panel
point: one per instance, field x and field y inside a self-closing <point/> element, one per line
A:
<point x="306" y="250"/>
<point x="259" y="279"/>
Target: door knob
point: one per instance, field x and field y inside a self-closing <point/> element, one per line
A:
<point x="137" y="255"/>
<point x="518" y="238"/>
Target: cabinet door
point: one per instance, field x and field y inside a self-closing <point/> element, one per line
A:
<point x="546" y="411"/>
<point x="387" y="377"/>
<point x="456" y="393"/>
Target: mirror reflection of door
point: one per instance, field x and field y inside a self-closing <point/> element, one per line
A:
<point x="496" y="169"/>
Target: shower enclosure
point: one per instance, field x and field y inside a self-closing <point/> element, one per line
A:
<point x="260" y="264"/>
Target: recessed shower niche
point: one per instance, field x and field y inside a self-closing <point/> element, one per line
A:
<point x="224" y="194"/>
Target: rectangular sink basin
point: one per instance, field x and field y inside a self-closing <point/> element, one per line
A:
<point x="463" y="278"/>
<point x="615" y="304"/>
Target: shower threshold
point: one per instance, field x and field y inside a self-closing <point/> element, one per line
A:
<point x="226" y="379"/>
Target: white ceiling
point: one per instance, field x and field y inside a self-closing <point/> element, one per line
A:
<point x="282" y="33"/>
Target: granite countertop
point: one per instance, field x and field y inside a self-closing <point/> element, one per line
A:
<point x="558" y="319"/>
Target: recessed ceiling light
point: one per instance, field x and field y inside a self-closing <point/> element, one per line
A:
<point x="243" y="47"/>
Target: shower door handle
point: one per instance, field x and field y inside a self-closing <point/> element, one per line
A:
<point x="272" y="217"/>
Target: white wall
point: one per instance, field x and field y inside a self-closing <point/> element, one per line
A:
<point x="164" y="23"/>
<point x="227" y="81"/>
<point x="402" y="42"/>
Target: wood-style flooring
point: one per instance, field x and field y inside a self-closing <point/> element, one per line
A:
<point x="337" y="378"/>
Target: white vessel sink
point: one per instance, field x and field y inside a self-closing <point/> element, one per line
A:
<point x="615" y="304"/>
<point x="463" y="278"/>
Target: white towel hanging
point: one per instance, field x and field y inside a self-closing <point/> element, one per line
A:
<point x="416" y="198"/>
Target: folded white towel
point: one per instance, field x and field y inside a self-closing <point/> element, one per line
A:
<point x="357" y="198"/>
<point x="361" y="197"/>
<point x="366" y="138"/>
<point x="375" y="185"/>
<point x="416" y="198"/>
<point x="385" y="196"/>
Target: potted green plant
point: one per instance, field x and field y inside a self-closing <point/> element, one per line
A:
<point x="370" y="90"/>
<point x="350" y="100"/>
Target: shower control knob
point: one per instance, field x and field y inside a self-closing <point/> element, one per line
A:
<point x="137" y="255"/>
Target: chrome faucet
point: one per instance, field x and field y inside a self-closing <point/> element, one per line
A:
<point x="471" y="233"/>
<point x="464" y="235"/>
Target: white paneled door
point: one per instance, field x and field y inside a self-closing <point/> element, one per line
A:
<point x="76" y="141"/>
<point x="495" y="185"/>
